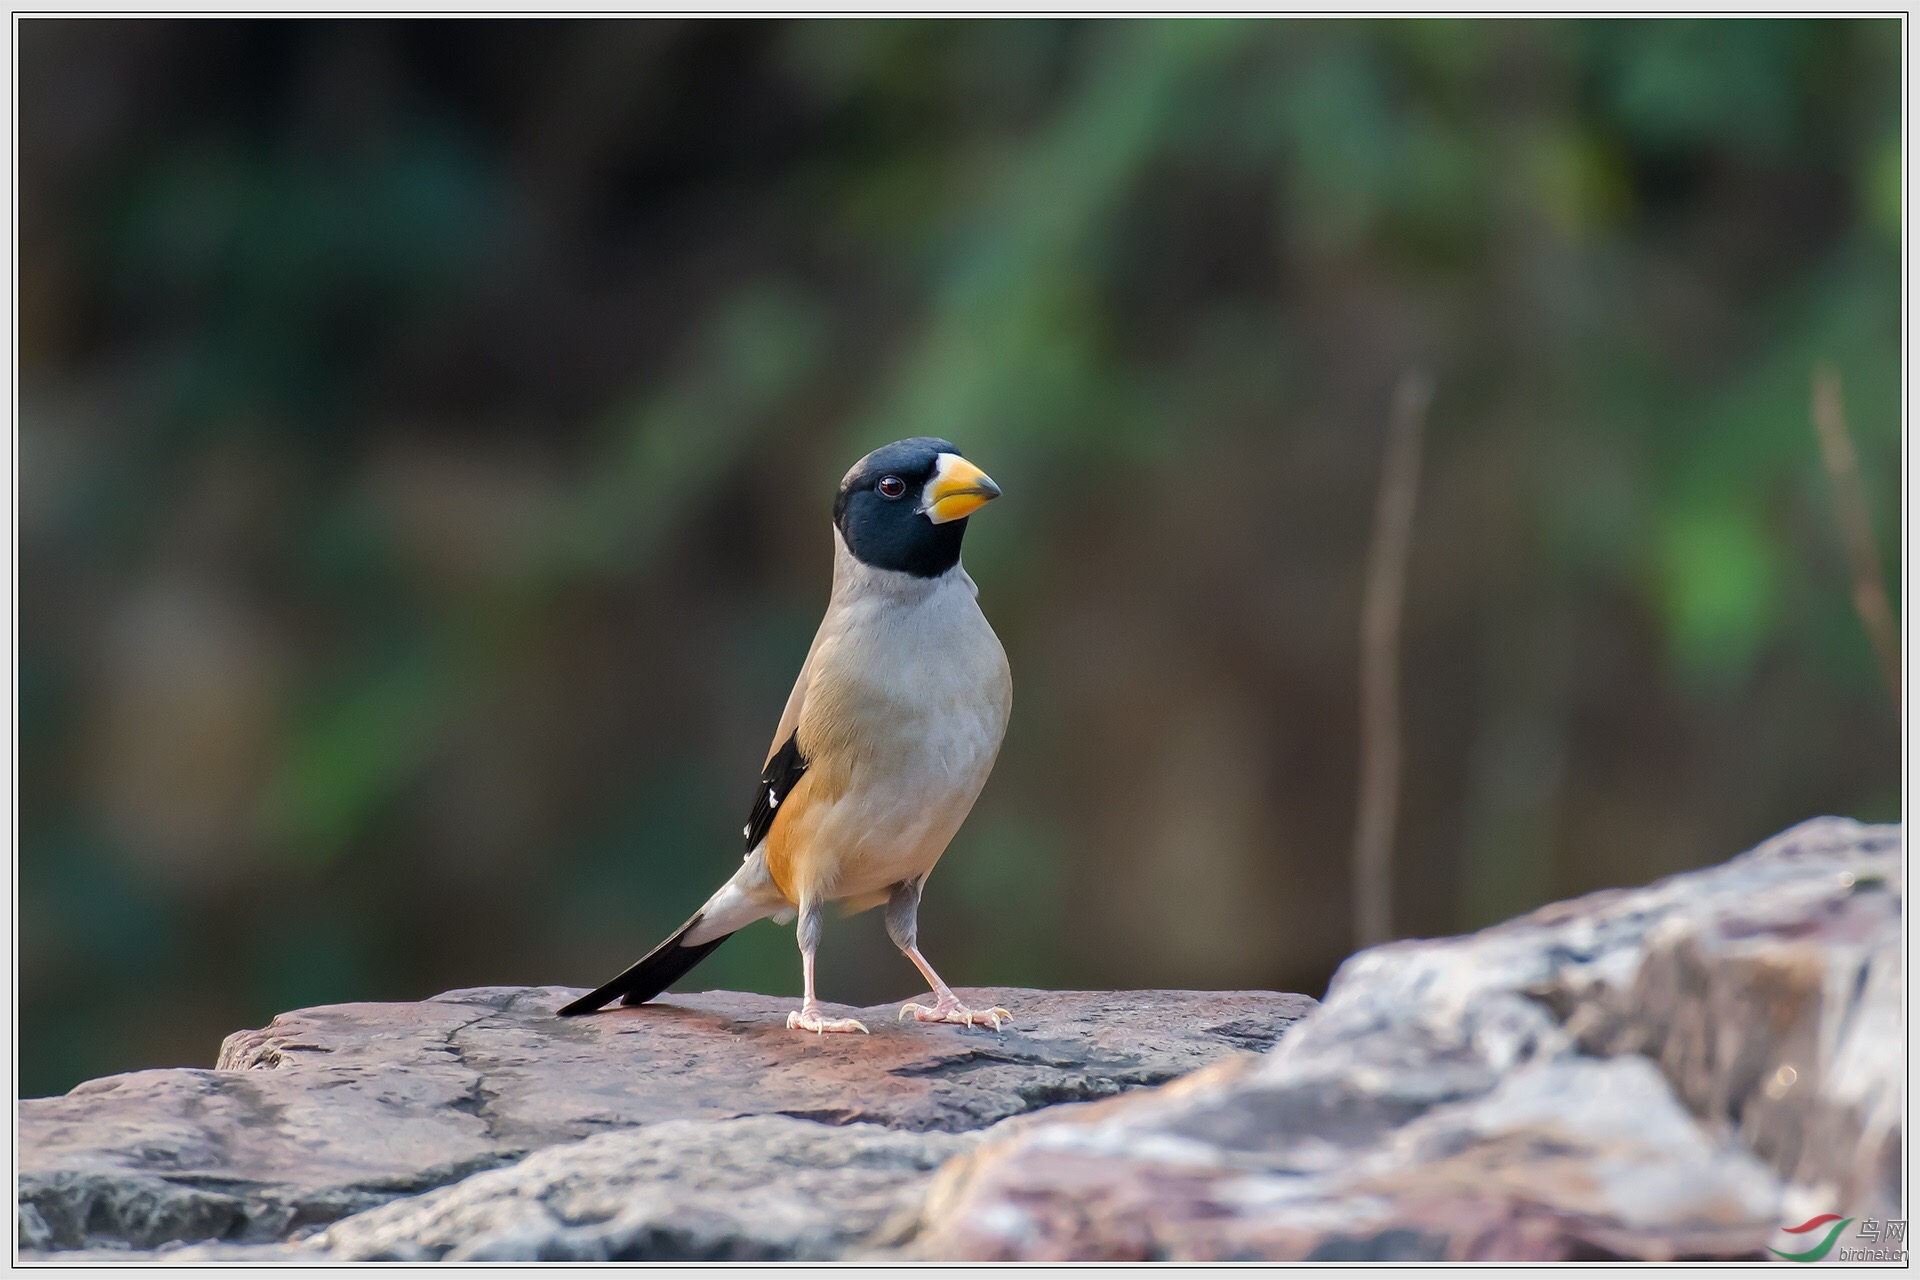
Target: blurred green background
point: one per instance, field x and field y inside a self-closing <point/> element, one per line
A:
<point x="428" y="431"/>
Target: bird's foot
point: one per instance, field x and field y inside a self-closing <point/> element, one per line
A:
<point x="809" y="1018"/>
<point x="948" y="1009"/>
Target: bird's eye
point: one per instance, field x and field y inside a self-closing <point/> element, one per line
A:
<point x="891" y="486"/>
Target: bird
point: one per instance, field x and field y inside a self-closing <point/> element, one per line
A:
<point x="886" y="740"/>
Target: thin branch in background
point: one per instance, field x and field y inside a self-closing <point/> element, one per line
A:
<point x="1380" y="664"/>
<point x="1856" y="525"/>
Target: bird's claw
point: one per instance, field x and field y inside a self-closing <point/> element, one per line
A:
<point x="955" y="1012"/>
<point x="810" y="1020"/>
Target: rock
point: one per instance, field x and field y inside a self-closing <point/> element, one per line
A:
<point x="758" y="1187"/>
<point x="331" y="1111"/>
<point x="1667" y="1072"/>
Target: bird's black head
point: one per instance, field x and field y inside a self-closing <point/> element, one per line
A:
<point x="905" y="506"/>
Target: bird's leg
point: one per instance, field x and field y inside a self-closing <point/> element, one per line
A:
<point x="947" y="1006"/>
<point x="903" y="922"/>
<point x="808" y="1016"/>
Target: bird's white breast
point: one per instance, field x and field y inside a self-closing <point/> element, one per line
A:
<point x="910" y="694"/>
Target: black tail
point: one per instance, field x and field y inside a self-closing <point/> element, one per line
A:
<point x="663" y="966"/>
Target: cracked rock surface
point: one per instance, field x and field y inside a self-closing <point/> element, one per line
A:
<point x="332" y="1111"/>
<point x="757" y="1187"/>
<point x="1668" y="1072"/>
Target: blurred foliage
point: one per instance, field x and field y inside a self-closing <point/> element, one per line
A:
<point x="427" y="433"/>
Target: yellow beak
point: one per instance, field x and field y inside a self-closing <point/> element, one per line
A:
<point x="957" y="490"/>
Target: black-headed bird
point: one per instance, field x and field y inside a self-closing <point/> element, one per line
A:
<point x="887" y="738"/>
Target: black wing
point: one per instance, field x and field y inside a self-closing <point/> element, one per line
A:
<point x="777" y="782"/>
<point x="669" y="961"/>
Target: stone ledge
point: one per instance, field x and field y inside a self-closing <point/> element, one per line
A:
<point x="332" y="1111"/>
<point x="1667" y="1072"/>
